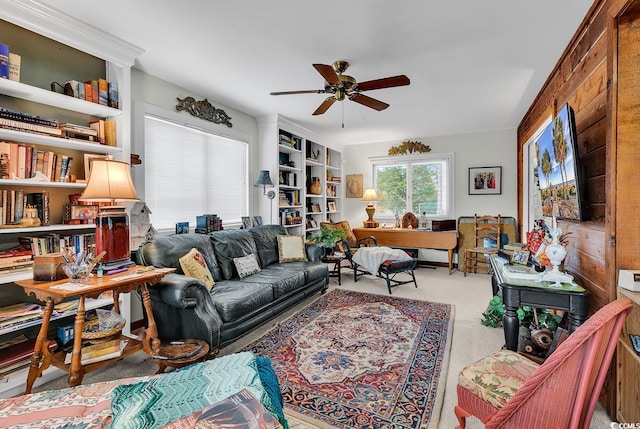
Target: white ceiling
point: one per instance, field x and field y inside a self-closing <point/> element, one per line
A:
<point x="474" y="65"/>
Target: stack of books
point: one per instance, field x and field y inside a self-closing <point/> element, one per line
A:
<point x="208" y="223"/>
<point x="79" y="132"/>
<point x="99" y="352"/>
<point x="16" y="354"/>
<point x="17" y="258"/>
<point x="12" y="316"/>
<point x="26" y="122"/>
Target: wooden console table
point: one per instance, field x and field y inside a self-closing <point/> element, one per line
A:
<point x="571" y="298"/>
<point x="51" y="294"/>
<point x="404" y="237"/>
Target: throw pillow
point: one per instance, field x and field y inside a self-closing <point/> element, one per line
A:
<point x="291" y="248"/>
<point x="194" y="265"/>
<point x="247" y="265"/>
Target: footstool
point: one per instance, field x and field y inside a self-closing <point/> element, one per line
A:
<point x="389" y="269"/>
<point x="178" y="354"/>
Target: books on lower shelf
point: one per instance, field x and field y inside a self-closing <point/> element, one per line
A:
<point x="240" y="410"/>
<point x="114" y="353"/>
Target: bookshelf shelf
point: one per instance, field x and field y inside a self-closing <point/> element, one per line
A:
<point x="54" y="99"/>
<point x="57" y="142"/>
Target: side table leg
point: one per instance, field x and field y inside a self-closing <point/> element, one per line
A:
<point x="151" y="343"/>
<point x="76" y="371"/>
<point x="450" y="261"/>
<point x="38" y="361"/>
<point x="511" y="327"/>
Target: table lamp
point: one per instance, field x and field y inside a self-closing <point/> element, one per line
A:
<point x="265" y="181"/>
<point x="370" y="196"/>
<point x="109" y="181"/>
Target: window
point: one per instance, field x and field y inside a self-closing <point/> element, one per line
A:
<point x="416" y="184"/>
<point x="190" y="172"/>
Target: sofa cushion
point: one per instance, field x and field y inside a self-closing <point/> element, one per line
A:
<point x="291" y="248"/>
<point x="313" y="271"/>
<point x="246" y="265"/>
<point x="235" y="299"/>
<point x="266" y="242"/>
<point x="231" y="244"/>
<point x="194" y="265"/>
<point x="283" y="281"/>
<point x="165" y="251"/>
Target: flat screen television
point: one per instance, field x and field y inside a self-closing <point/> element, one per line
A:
<point x="557" y="168"/>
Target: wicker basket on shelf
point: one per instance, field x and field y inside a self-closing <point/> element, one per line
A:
<point x="93" y="332"/>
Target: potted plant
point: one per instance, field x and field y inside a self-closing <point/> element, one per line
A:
<point x="327" y="238"/>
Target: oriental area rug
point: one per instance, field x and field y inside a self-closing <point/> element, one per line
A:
<point x="358" y="360"/>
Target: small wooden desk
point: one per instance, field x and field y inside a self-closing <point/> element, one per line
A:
<point x="403" y="237"/>
<point x="571" y="298"/>
<point x="117" y="283"/>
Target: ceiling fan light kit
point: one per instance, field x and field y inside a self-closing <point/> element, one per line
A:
<point x="342" y="86"/>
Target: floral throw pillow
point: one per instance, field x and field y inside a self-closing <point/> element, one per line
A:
<point x="291" y="248"/>
<point x="247" y="265"/>
<point x="194" y="265"/>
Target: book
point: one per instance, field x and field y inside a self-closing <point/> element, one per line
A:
<point x="4" y="61"/>
<point x="29" y="127"/>
<point x="107" y="356"/>
<point x="18" y="309"/>
<point x="14" y="66"/>
<point x="240" y="410"/>
<point x="98" y="126"/>
<point x="5" y="153"/>
<point x="110" y="135"/>
<point x="100" y="349"/>
<point x="88" y="96"/>
<point x="103" y="92"/>
<point x="94" y="92"/>
<point x="113" y="95"/>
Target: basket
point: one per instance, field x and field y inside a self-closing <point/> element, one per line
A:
<point x="92" y="331"/>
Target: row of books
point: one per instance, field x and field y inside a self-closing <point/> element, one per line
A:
<point x="16" y="354"/>
<point x="207" y="223"/>
<point x="19" y="257"/>
<point x="15" y="204"/>
<point x="29" y="118"/>
<point x="56" y="243"/>
<point x="22" y="161"/>
<point x="99" y="91"/>
<point x="9" y="63"/>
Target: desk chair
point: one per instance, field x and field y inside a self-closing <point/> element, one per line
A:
<point x="487" y="229"/>
<point x="506" y="390"/>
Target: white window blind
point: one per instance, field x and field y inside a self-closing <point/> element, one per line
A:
<point x="190" y="172"/>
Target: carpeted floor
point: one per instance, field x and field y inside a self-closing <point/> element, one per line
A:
<point x="470" y="341"/>
<point x="357" y="360"/>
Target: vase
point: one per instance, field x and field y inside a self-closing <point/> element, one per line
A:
<point x="556" y="254"/>
<point x="315" y="187"/>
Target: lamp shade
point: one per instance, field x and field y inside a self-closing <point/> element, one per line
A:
<point x="263" y="179"/>
<point x="370" y="195"/>
<point x="109" y="181"/>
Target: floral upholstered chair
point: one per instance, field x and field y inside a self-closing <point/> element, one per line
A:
<point x="507" y="390"/>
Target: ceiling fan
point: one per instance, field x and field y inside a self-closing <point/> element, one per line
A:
<point x="343" y="86"/>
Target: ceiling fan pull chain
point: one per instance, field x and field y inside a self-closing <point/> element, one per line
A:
<point x="342" y="115"/>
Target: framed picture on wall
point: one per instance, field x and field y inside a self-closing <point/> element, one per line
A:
<point x="485" y="180"/>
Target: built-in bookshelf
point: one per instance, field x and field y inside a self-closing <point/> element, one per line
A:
<point x="82" y="53"/>
<point x="309" y="177"/>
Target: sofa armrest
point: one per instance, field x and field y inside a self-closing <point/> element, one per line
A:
<point x="182" y="308"/>
<point x="315" y="253"/>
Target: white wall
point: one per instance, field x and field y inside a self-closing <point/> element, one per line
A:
<point x="486" y="149"/>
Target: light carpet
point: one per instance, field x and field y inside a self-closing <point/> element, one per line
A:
<point x="357" y="360"/>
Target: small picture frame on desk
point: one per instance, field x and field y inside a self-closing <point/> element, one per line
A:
<point x="520" y="257"/>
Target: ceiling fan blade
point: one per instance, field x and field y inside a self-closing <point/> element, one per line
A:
<point x="328" y="102"/>
<point x="328" y="73"/>
<point x="387" y="82"/>
<point x="369" y="102"/>
<point x="308" y="91"/>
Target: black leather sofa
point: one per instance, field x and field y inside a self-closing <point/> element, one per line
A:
<point x="184" y="308"/>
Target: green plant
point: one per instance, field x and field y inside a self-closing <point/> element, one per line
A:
<point x="327" y="237"/>
<point x="494" y="313"/>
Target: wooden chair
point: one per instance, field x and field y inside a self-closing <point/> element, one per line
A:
<point x="486" y="228"/>
<point x="506" y="390"/>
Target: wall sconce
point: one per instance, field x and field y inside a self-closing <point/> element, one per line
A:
<point x="265" y="181"/>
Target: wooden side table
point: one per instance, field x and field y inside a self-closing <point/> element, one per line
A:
<point x="336" y="270"/>
<point x="55" y="292"/>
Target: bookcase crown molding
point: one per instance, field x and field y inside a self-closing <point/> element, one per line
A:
<point x="52" y="23"/>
